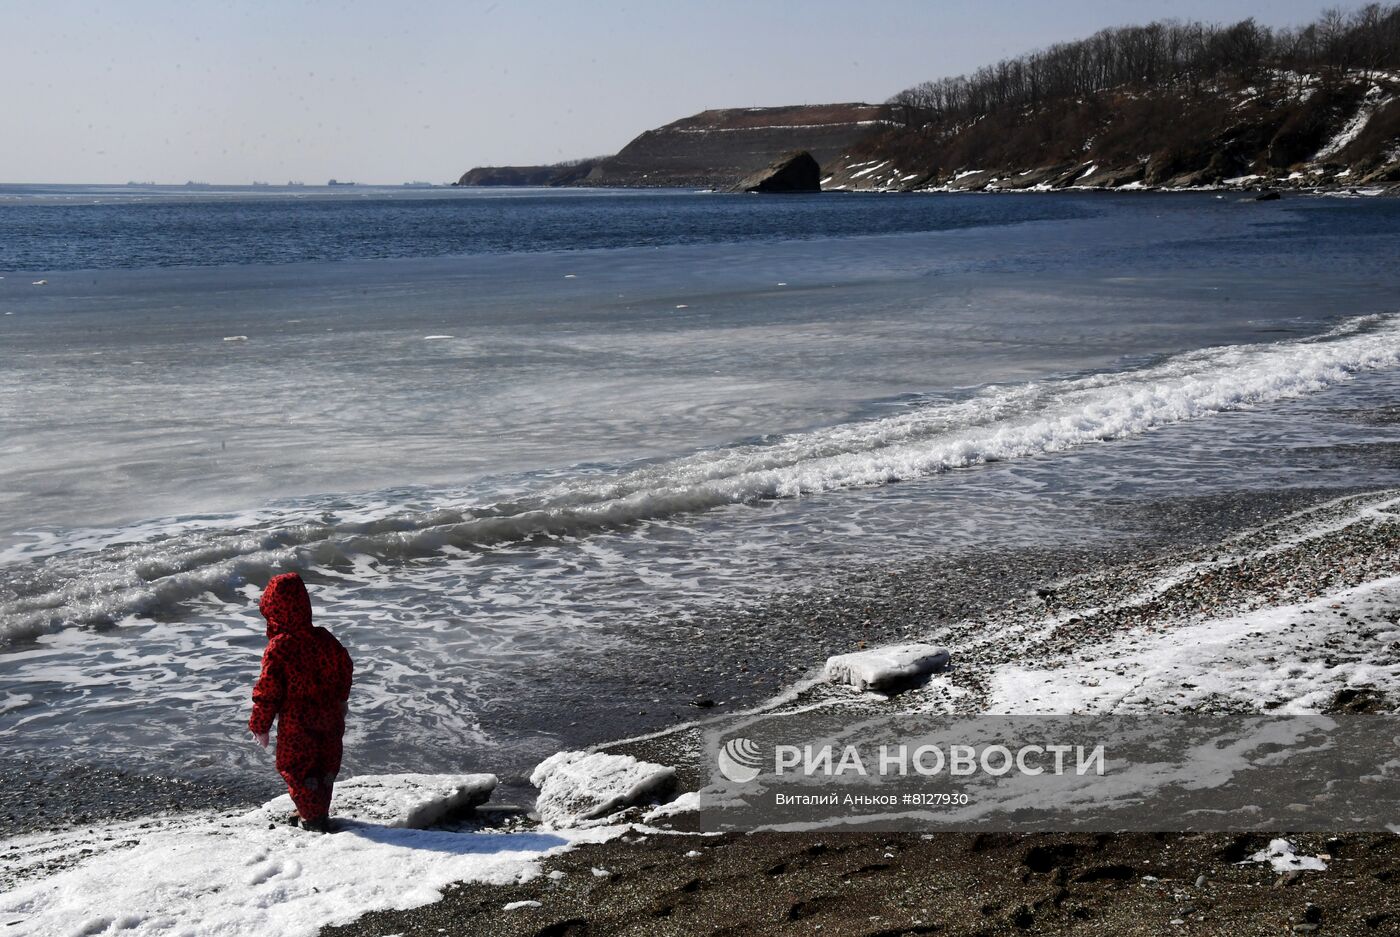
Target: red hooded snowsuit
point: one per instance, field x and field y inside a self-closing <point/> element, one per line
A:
<point x="304" y="684"/>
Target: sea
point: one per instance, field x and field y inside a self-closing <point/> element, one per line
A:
<point x="505" y="433"/>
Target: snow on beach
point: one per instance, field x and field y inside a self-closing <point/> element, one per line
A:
<point x="1264" y="657"/>
<point x="219" y="875"/>
<point x="1281" y="856"/>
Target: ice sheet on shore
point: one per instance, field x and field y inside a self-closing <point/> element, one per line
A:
<point x="1292" y="658"/>
<point x="228" y="876"/>
<point x="883" y="668"/>
<point x="408" y="801"/>
<point x="579" y="787"/>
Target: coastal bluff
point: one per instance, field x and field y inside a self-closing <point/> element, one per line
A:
<point x="713" y="149"/>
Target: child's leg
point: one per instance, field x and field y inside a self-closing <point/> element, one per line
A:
<point x="307" y="794"/>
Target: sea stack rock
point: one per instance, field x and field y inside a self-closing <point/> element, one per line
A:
<point x="793" y="172"/>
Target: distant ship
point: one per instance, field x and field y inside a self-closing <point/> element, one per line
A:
<point x="191" y="184"/>
<point x="294" y="184"/>
<point x="141" y="184"/>
<point x="257" y="183"/>
<point x="417" y="185"/>
<point x="336" y="182"/>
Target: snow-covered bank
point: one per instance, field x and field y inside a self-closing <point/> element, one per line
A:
<point x="219" y="875"/>
<point x="1269" y="658"/>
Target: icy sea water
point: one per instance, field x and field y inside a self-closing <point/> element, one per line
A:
<point x="496" y="431"/>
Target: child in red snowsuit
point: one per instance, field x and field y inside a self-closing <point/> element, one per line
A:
<point x="304" y="685"/>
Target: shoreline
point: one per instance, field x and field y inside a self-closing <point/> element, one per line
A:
<point x="750" y="651"/>
<point x="1282" y="187"/>
<point x="668" y="881"/>
<point x="660" y="881"/>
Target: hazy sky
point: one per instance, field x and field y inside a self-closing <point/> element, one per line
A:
<point x="233" y="91"/>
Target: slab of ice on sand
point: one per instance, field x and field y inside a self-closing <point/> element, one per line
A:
<point x="882" y="668"/>
<point x="405" y="801"/>
<point x="576" y="787"/>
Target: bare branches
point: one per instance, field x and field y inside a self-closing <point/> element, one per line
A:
<point x="1187" y="55"/>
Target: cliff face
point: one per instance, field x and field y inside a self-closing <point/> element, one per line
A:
<point x="560" y="174"/>
<point x="712" y="149"/>
<point x="1293" y="131"/>
<point x="507" y="175"/>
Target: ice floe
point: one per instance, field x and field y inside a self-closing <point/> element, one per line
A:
<point x="579" y="787"/>
<point x="883" y="668"/>
<point x="412" y="801"/>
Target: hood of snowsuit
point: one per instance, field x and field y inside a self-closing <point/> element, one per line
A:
<point x="285" y="605"/>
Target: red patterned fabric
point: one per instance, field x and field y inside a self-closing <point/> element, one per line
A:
<point x="304" y="684"/>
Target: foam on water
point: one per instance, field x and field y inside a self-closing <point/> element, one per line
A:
<point x="103" y="577"/>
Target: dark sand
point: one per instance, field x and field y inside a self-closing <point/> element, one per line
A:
<point x="949" y="884"/>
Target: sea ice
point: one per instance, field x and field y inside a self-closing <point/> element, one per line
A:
<point x="406" y="801"/>
<point x="576" y="787"/>
<point x="885" y="667"/>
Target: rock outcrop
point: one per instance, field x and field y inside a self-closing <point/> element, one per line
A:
<point x="794" y="172"/>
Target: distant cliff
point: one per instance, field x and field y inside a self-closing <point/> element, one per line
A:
<point x="712" y="149"/>
<point x="556" y="174"/>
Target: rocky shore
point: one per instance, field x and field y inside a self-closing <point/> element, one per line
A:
<point x="658" y="882"/>
<point x="1191" y="560"/>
